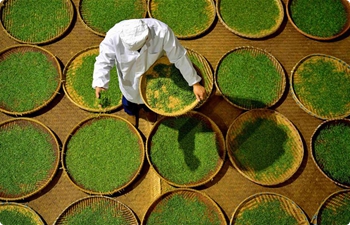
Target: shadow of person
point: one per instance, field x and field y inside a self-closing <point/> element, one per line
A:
<point x="193" y="135"/>
<point x="259" y="144"/>
<point x="186" y="140"/>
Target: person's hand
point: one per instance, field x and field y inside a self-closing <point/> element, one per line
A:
<point x="199" y="91"/>
<point x="98" y="90"/>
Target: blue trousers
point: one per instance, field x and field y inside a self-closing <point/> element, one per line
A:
<point x="133" y="108"/>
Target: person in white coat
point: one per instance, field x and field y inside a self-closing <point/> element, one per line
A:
<point x="133" y="46"/>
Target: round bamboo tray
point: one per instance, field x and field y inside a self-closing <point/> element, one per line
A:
<point x="203" y="69"/>
<point x="342" y="32"/>
<point x="308" y="106"/>
<point x="334" y="202"/>
<point x="318" y="163"/>
<point x="22" y="209"/>
<point x="253" y="103"/>
<point x="189" y="195"/>
<point x="107" y="13"/>
<point x="69" y="73"/>
<point x="7" y="7"/>
<point x="97" y="203"/>
<point x="114" y="161"/>
<point x="22" y="49"/>
<point x="262" y="33"/>
<point x="40" y="184"/>
<point x="266" y="171"/>
<point x="180" y="11"/>
<point x="286" y="204"/>
<point x="206" y="121"/>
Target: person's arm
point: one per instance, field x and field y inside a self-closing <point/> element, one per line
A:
<point x="177" y="55"/>
<point x="104" y="63"/>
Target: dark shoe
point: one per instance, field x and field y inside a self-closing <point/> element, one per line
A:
<point x="151" y="117"/>
<point x="132" y="119"/>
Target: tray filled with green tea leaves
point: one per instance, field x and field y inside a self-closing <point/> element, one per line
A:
<point x="249" y="78"/>
<point x="103" y="154"/>
<point x="99" y="18"/>
<point x="17" y="213"/>
<point x="320" y="85"/>
<point x="267" y="208"/>
<point x="254" y="19"/>
<point x="184" y="206"/>
<point x="77" y="76"/>
<point x="99" y="210"/>
<point x="30" y="79"/>
<point x="322" y="20"/>
<point x="165" y="91"/>
<point x="29" y="165"/>
<point x="186" y="151"/>
<point x="330" y="150"/>
<point x="33" y="22"/>
<point x="198" y="15"/>
<point x="264" y="146"/>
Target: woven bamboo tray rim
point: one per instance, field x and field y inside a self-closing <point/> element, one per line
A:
<point x="333" y="201"/>
<point x="312" y="149"/>
<point x="308" y="108"/>
<point x="188" y="194"/>
<point x="207" y="74"/>
<point x="89" y="27"/>
<point x="23" y="209"/>
<point x="252" y="36"/>
<point x="342" y="32"/>
<point x="255" y="51"/>
<point x="82" y="203"/>
<point x="210" y="23"/>
<point x="67" y="87"/>
<point x="143" y="92"/>
<point x="50" y="57"/>
<point x="219" y="138"/>
<point x="88" y="121"/>
<point x="55" y="145"/>
<point x="54" y="38"/>
<point x="298" y="148"/>
<point x="289" y="206"/>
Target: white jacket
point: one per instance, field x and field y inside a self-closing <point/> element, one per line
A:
<point x="132" y="64"/>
